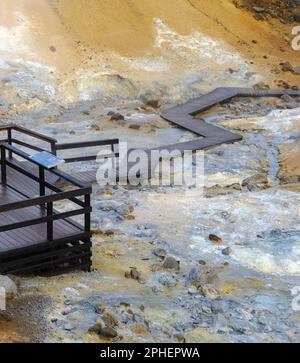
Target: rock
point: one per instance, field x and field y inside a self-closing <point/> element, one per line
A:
<point x="287" y="67"/>
<point x="209" y="291"/>
<point x="104" y="331"/>
<point x="107" y="228"/>
<point x="180" y="338"/>
<point x="297" y="17"/>
<point x="124" y="210"/>
<point x="135" y="275"/>
<point x="170" y="263"/>
<point x="5" y="316"/>
<point x="52" y="48"/>
<point x="110" y="319"/>
<point x="160" y="252"/>
<point x="115" y="116"/>
<point x="215" y="239"/>
<point x="227" y="251"/>
<point x="134" y="127"/>
<point x="9" y="286"/>
<point x="95" y="329"/>
<point x="153" y="103"/>
<point x="108" y="332"/>
<point x="200" y="276"/>
<point x="167" y="280"/>
<point x="257" y="181"/>
<point x="258" y="9"/>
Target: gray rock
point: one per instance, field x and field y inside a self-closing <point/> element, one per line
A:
<point x="257" y="181"/>
<point x="115" y="116"/>
<point x="209" y="291"/>
<point x="171" y="263"/>
<point x="9" y="286"/>
<point x="160" y="252"/>
<point x="200" y="276"/>
<point x="227" y="251"/>
<point x="167" y="280"/>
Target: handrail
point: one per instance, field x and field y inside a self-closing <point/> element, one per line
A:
<point x="59" y="173"/>
<point x="44" y="199"/>
<point x="83" y="144"/>
<point x="26" y="131"/>
<point x="10" y="139"/>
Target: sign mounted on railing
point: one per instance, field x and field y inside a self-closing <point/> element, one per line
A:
<point x="47" y="160"/>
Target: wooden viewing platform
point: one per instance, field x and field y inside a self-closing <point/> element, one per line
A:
<point x="34" y="236"/>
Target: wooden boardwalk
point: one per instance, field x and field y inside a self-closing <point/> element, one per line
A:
<point x="209" y="135"/>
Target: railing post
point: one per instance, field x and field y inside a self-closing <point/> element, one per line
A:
<point x="53" y="147"/>
<point x="9" y="137"/>
<point x="3" y="166"/>
<point x="42" y="181"/>
<point x="87" y="216"/>
<point x="50" y="223"/>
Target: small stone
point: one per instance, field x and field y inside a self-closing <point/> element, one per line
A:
<point x="258" y="9"/>
<point x="5" y="316"/>
<point x="180" y="338"/>
<point x="160" y="252"/>
<point x="115" y="116"/>
<point x="287" y="67"/>
<point x="167" y="280"/>
<point x="170" y="263"/>
<point x="257" y="181"/>
<point x="135" y="274"/>
<point x="227" y="251"/>
<point x="9" y="286"/>
<point x="95" y="329"/>
<point x="297" y="17"/>
<point x="128" y="275"/>
<point x="153" y="103"/>
<point x="110" y="319"/>
<point x="134" y="127"/>
<point x="108" y="332"/>
<point x="52" y="48"/>
<point x="209" y="291"/>
<point x="215" y="239"/>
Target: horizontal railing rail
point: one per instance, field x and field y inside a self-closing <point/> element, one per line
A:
<point x="80" y="145"/>
<point x="23" y="130"/>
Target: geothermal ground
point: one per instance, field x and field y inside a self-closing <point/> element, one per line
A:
<point x="169" y="263"/>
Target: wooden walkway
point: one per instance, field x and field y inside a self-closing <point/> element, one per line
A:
<point x="209" y="135"/>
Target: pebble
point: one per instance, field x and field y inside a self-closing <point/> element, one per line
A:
<point x="209" y="291"/>
<point x="171" y="263"/>
<point x="227" y="251"/>
<point x="215" y="239"/>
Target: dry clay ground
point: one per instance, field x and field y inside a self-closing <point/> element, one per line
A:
<point x="121" y="38"/>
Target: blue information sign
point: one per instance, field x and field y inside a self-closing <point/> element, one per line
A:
<point x="47" y="159"/>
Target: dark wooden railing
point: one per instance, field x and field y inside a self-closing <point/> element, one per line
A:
<point x="10" y="139"/>
<point x="80" y="145"/>
<point x="45" y="201"/>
